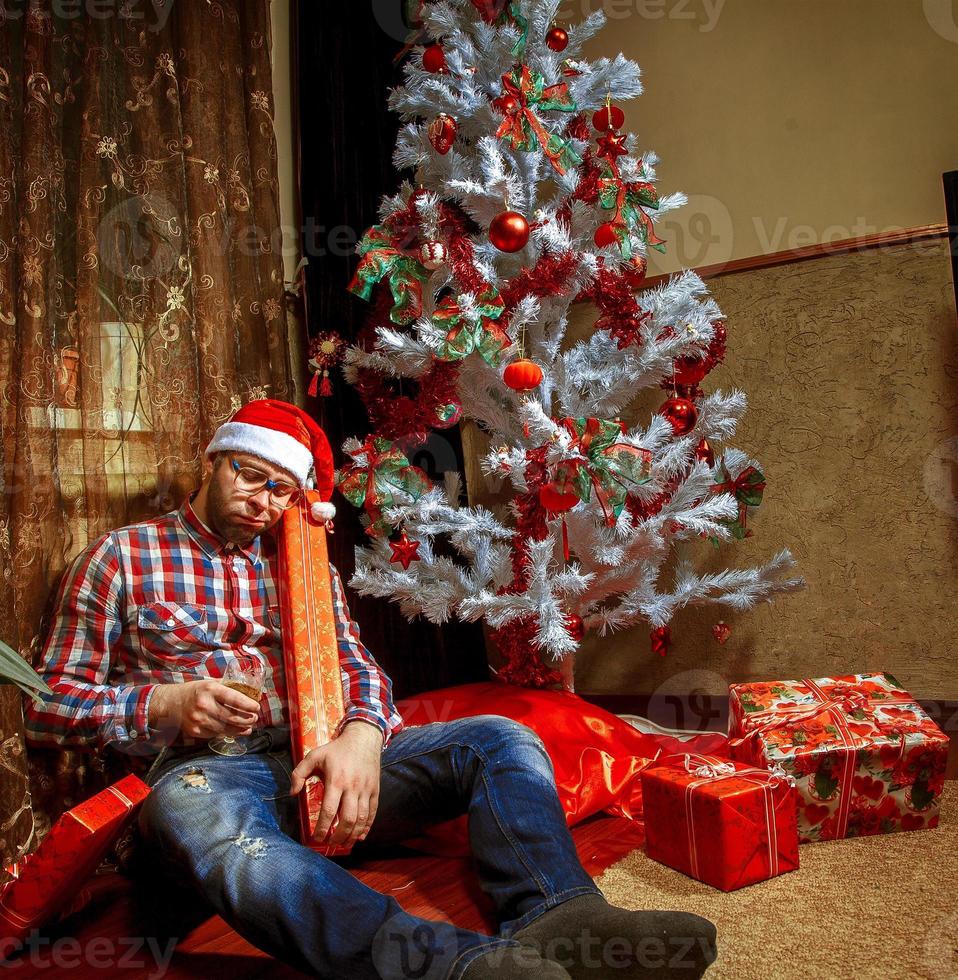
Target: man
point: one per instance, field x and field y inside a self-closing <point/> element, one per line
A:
<point x="147" y="616"/>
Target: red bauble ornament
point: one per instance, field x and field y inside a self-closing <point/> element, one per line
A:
<point x="606" y="235"/>
<point x="703" y="451"/>
<point x="661" y="638"/>
<point x="432" y="255"/>
<point x="523" y="375"/>
<point x="442" y="133"/>
<point x="575" y="627"/>
<point x="509" y="231"/>
<point x="405" y="551"/>
<point x="506" y="104"/>
<point x="434" y="59"/>
<point x="721" y="631"/>
<point x="555" y="499"/>
<point x="608" y="117"/>
<point x="681" y="413"/>
<point x="557" y="39"/>
<point x="634" y="272"/>
<point x="690" y="370"/>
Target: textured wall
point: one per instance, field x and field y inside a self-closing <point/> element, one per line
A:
<point x="851" y="370"/>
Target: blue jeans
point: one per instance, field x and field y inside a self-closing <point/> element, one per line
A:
<point x="229" y="827"/>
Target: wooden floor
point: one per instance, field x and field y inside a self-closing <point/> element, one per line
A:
<point x="114" y="934"/>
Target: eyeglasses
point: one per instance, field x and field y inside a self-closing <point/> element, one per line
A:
<point x="249" y="481"/>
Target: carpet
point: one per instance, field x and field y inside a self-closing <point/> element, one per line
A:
<point x="872" y="907"/>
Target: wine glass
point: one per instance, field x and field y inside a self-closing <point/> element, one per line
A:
<point x="246" y="675"/>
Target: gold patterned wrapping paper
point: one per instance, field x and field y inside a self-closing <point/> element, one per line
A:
<point x="310" y="652"/>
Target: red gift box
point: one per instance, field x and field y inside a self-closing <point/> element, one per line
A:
<point x="310" y="654"/>
<point x="866" y="758"/>
<point x="50" y="879"/>
<point x="722" y="822"/>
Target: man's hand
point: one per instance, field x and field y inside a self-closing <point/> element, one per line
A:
<point x="202" y="709"/>
<point x="349" y="767"/>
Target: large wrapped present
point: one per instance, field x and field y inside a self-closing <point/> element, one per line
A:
<point x="310" y="652"/>
<point x="866" y="758"/>
<point x="51" y="878"/>
<point x="719" y="821"/>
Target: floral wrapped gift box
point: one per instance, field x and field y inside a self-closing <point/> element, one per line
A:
<point x="866" y="757"/>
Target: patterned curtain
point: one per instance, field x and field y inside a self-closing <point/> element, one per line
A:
<point x="141" y="296"/>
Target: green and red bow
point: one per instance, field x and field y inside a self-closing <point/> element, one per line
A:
<point x="473" y="330"/>
<point x="630" y="199"/>
<point x="377" y="474"/>
<point x="523" y="127"/>
<point x="747" y="488"/>
<point x="609" y="467"/>
<point x="383" y="259"/>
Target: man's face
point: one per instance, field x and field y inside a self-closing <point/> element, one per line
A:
<point x="237" y="516"/>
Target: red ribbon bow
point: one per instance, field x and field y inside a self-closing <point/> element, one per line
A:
<point x="521" y="114"/>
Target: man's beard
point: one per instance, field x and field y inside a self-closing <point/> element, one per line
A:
<point x="224" y="519"/>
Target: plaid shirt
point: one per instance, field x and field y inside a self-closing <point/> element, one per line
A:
<point x="167" y="601"/>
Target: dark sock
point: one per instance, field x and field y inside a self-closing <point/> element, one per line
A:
<point x="593" y="939"/>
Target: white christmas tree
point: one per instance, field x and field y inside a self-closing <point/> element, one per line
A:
<point x="519" y="208"/>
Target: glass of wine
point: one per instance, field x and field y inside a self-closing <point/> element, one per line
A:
<point x="246" y="675"/>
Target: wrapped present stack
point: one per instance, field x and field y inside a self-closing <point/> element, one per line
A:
<point x="310" y="652"/>
<point x="722" y="822"/>
<point x="865" y="757"/>
<point x="50" y="879"/>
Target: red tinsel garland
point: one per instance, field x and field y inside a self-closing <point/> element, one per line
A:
<point x="407" y="419"/>
<point x="549" y="277"/>
<point x="523" y="666"/>
<point x="620" y="313"/>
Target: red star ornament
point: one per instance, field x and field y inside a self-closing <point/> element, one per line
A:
<point x="404" y="551"/>
<point x="611" y="145"/>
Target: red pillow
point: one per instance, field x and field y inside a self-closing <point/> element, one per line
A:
<point x="597" y="756"/>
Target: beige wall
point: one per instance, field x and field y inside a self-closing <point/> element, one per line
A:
<point x="789" y="122"/>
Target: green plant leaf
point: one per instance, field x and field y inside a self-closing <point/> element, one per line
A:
<point x="15" y="670"/>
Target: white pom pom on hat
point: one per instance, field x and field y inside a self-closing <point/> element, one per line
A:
<point x="323" y="511"/>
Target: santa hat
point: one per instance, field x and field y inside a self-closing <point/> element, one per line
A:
<point x="286" y="436"/>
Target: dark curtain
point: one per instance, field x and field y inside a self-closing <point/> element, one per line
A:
<point x="345" y="61"/>
<point x="141" y="296"/>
